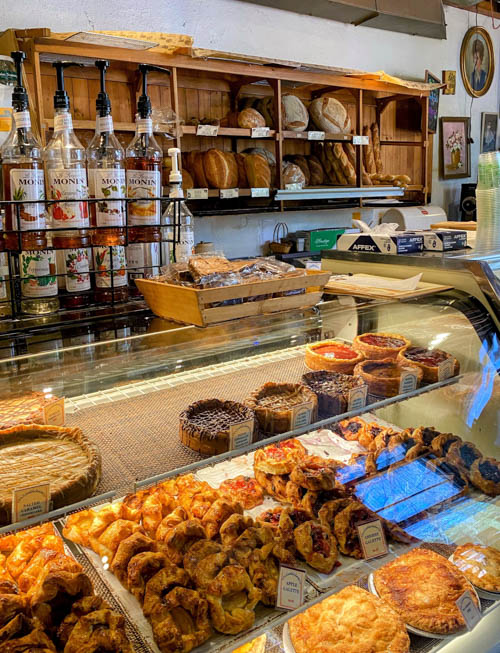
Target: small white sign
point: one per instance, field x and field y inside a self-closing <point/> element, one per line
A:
<point x="229" y="193"/>
<point x="313" y="265"/>
<point x="470" y="611"/>
<point x="365" y="140"/>
<point x="291" y="586"/>
<point x="241" y="435"/>
<point x="408" y="381"/>
<point x="357" y="398"/>
<point x="259" y="192"/>
<point x="293" y="186"/>
<point x="30" y="501"/>
<point x="372" y="538"/>
<point x="357" y="140"/>
<point x="260" y="132"/>
<point x="446" y="369"/>
<point x="207" y="130"/>
<point x="315" y="136"/>
<point x="302" y="415"/>
<point x="197" y="193"/>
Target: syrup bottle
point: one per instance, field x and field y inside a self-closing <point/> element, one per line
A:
<point x="22" y="173"/>
<point x="106" y="169"/>
<point x="143" y="163"/>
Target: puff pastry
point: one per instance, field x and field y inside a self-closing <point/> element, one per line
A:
<point x="232" y="598"/>
<point x="243" y="489"/>
<point x="316" y="473"/>
<point x="479" y="564"/>
<point x="280" y="457"/>
<point x="314" y="542"/>
<point x="484" y="474"/>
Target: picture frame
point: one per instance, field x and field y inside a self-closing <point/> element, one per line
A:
<point x="430" y="78"/>
<point x="454" y="148"/>
<point x="450" y="79"/>
<point x="489" y="131"/>
<point x="477" y="61"/>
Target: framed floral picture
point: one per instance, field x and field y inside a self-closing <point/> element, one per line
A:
<point x="454" y="148"/>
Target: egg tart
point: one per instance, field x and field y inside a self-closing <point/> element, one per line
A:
<point x="429" y="361"/>
<point x="275" y="406"/>
<point x="332" y="355"/>
<point x="383" y="377"/>
<point x="378" y="346"/>
<point x="479" y="564"/>
<point x="332" y="390"/>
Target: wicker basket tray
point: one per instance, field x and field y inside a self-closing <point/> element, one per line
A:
<point x="193" y="306"/>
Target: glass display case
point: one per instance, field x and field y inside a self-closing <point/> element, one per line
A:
<point x="126" y="395"/>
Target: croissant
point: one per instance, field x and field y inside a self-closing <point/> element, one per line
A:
<point x="132" y="505"/>
<point x="182" y="537"/>
<point x="107" y="543"/>
<point x="80" y="608"/>
<point x="78" y="525"/>
<point x="104" y="518"/>
<point x="9" y="542"/>
<point x="232" y="598"/>
<point x="201" y="502"/>
<point x="158" y="586"/>
<point x="141" y="568"/>
<point x="55" y="592"/>
<point x="102" y="630"/>
<point x="197" y="554"/>
<point x="208" y="568"/>
<point x="169" y="522"/>
<point x="127" y="549"/>
<point x="23" y="635"/>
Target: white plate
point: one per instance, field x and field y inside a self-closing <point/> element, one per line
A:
<point x="287" y="641"/>
<point x="485" y="594"/>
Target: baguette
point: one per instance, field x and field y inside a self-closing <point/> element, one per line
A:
<point x="368" y="157"/>
<point x="316" y="170"/>
<point x="351" y="153"/>
<point x="347" y="167"/>
<point x="337" y="168"/>
<point x="367" y="180"/>
<point x="376" y="148"/>
<point x="404" y="179"/>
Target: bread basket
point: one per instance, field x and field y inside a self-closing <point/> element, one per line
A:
<point x="280" y="245"/>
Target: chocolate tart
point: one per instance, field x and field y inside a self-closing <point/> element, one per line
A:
<point x="383" y="377"/>
<point x="379" y="346"/>
<point x="274" y="404"/>
<point x="24" y="409"/>
<point x="429" y="361"/>
<point x="34" y="454"/>
<point x="332" y="390"/>
<point x="205" y="425"/>
<point x="332" y="355"/>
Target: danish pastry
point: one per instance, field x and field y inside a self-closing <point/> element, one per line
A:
<point x="345" y="528"/>
<point x="484" y="475"/>
<point x="463" y="454"/>
<point x="169" y="522"/>
<point x="102" y="630"/>
<point x="233" y="527"/>
<point x="208" y="568"/>
<point x="133" y="503"/>
<point x="158" y="586"/>
<point x="127" y="549"/>
<point x="351" y="429"/>
<point x="141" y="568"/>
<point x="243" y="489"/>
<point x="106" y="544"/>
<point x="181" y="537"/>
<point x="479" y="564"/>
<point x="197" y="554"/>
<point x="316" y="473"/>
<point x="55" y="592"/>
<point x="442" y="442"/>
<point x="217" y="514"/>
<point x="280" y="457"/>
<point x="78" y="525"/>
<point x="264" y="573"/>
<point x="232" y="598"/>
<point x="156" y="506"/>
<point x="79" y="608"/>
<point x="313" y="501"/>
<point x="23" y="635"/>
<point x="314" y="542"/>
<point x="10" y="606"/>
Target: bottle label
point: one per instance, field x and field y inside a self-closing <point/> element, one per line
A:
<point x="22" y="119"/>
<point x="144" y="183"/>
<point x="76" y="268"/>
<point x="104" y="124"/>
<point x="185" y="247"/>
<point x="38" y="273"/>
<point x="63" y="121"/>
<point x="144" y="126"/>
<point x="108" y="184"/>
<point x="143" y="259"/>
<point x="64" y="185"/>
<point x="102" y="262"/>
<point x="28" y="185"/>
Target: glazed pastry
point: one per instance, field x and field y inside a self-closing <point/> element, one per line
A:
<point x="45" y="559"/>
<point x="23" y="635"/>
<point x="257" y="645"/>
<point x="350" y="621"/>
<point x="425" y="435"/>
<point x="332" y="390"/>
<point x="127" y="549"/>
<point x="208" y="568"/>
<point x="243" y="489"/>
<point x="181" y="538"/>
<point x="198" y="552"/>
<point x="233" y="527"/>
<point x="132" y="505"/>
<point x="79" y="609"/>
<point x="330" y="510"/>
<point x="442" y="442"/>
<point x="344" y="528"/>
<point x="274" y="405"/>
<point x="429" y="361"/>
<point x="156" y="506"/>
<point x="316" y="473"/>
<point x="271" y="517"/>
<point x="352" y="428"/>
<point x="77" y="526"/>
<point x="10" y="606"/>
<point x="280" y="457"/>
<point x="263" y="570"/>
<point x="384" y="439"/>
<point x="104" y="518"/>
<point x="219" y="511"/>
<point x="169" y="522"/>
<point x="452" y="471"/>
<point x="199" y="503"/>
<point x="463" y="454"/>
<point x="383" y="376"/>
<point x="369" y="433"/>
<point x="479" y="564"/>
<point x="232" y="598"/>
<point x="158" y="586"/>
<point x="313" y="501"/>
<point x="379" y="346"/>
<point x="99" y="630"/>
<point x="107" y="543"/>
<point x="484" y="475"/>
<point x="141" y="568"/>
<point x="423" y="587"/>
<point x="332" y="355"/>
<point x="316" y="545"/>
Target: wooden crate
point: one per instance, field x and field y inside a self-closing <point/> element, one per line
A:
<point x="192" y="305"/>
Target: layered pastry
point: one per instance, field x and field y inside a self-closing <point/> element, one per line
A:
<point x="378" y="346"/>
<point x="463" y="454"/>
<point x="206" y="425"/>
<point x="484" y="475"/>
<point x="279" y="457"/>
<point x="332" y="390"/>
<point x="332" y="355"/>
<point x="314" y="542"/>
<point x="243" y="489"/>
<point x="429" y="361"/>
<point x="383" y="377"/>
<point x="351" y="429"/>
<point x="351" y="621"/>
<point x="316" y="473"/>
<point x="35" y="454"/>
<point x="423" y="587"/>
<point x="277" y="406"/>
<point x="479" y="564"/>
<point x="25" y="409"/>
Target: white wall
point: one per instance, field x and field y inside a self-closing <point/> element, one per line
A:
<point x="237" y="26"/>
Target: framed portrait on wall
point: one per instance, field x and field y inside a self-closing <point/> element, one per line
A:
<point x="489" y="127"/>
<point x="433" y="101"/>
<point x="477" y="61"/>
<point x="454" y="148"/>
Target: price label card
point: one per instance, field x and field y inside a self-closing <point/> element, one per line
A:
<point x="365" y="140"/>
<point x="229" y="193"/>
<point x="372" y="538"/>
<point x="302" y="415"/>
<point x="293" y="186"/>
<point x="357" y="398"/>
<point x="313" y="265"/>
<point x="408" y="381"/>
<point x="315" y="136"/>
<point x="241" y="435"/>
<point x="30" y="501"/>
<point x="291" y="588"/>
<point x="197" y="193"/>
<point x="470" y="611"/>
<point x="259" y="192"/>
<point x="53" y="413"/>
<point x="207" y="130"/>
<point x="357" y="140"/>
<point x="260" y="132"/>
<point x="446" y="369"/>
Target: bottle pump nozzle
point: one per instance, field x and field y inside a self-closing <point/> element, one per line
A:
<point x="19" y="96"/>
<point x="144" y="103"/>
<point x="61" y="98"/>
<point x="175" y="176"/>
<point x="102" y="104"/>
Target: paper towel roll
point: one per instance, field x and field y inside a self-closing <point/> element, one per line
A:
<point x="414" y="217"/>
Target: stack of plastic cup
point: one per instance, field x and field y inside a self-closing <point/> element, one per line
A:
<point x="488" y="202"/>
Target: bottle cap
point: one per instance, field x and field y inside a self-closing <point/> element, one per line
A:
<point x="61" y="98"/>
<point x="20" y="101"/>
<point x="144" y="103"/>
<point x="102" y="103"/>
<point x="175" y="176"/>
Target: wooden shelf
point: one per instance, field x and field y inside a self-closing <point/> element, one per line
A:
<point x="235" y="132"/>
<point x="328" y="136"/>
<point x="406" y="143"/>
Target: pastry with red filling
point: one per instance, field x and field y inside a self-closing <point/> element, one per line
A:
<point x="429" y="361"/>
<point x="378" y="346"/>
<point x="314" y="542"/>
<point x="332" y="355"/>
<point x="383" y="377"/>
<point x="316" y="473"/>
<point x="280" y="457"/>
<point x="243" y="489"/>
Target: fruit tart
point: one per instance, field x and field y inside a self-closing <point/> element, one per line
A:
<point x="332" y="355"/>
<point x="280" y="457"/>
<point x="243" y="489"/>
<point x="383" y="377"/>
<point x="429" y="361"/>
<point x="332" y="390"/>
<point x="276" y="405"/>
<point x="379" y="346"/>
<point x="315" y="543"/>
<point x="479" y="564"/>
<point x="484" y="475"/>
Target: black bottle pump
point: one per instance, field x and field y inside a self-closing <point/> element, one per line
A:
<point x="144" y="103"/>
<point x="61" y="98"/>
<point x="102" y="104"/>
<point x="20" y="100"/>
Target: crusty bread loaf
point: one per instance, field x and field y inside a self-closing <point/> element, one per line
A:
<point x="295" y="116"/>
<point x="249" y="118"/>
<point x="258" y="171"/>
<point x="232" y="170"/>
<point x="292" y="174"/>
<point x="198" y="169"/>
<point x="368" y="157"/>
<point x="330" y="115"/>
<point x="347" y="168"/>
<point x="187" y="180"/>
<point x="316" y="170"/>
<point x="242" y="173"/>
<point x="270" y="158"/>
<point x="351" y="153"/>
<point x="218" y="170"/>
<point x="303" y="164"/>
<point x="265" y="107"/>
<point x="376" y="148"/>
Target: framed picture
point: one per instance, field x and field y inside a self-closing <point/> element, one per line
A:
<point x="454" y="148"/>
<point x="477" y="61"/>
<point x="489" y="127"/>
<point x="433" y="101"/>
<point x="450" y="79"/>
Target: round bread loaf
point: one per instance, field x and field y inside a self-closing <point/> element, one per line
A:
<point x="187" y="180"/>
<point x="294" y="114"/>
<point x="292" y="174"/>
<point x="220" y="169"/>
<point x="258" y="171"/>
<point x="249" y="118"/>
<point x="330" y="115"/>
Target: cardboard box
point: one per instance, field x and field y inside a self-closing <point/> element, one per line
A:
<point x="319" y="239"/>
<point x="400" y="243"/>
<point x="445" y="240"/>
